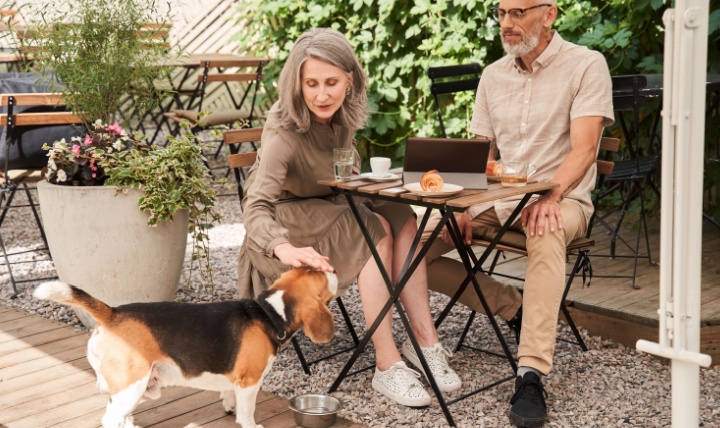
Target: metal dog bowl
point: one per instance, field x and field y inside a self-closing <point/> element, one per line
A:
<point x="314" y="410"/>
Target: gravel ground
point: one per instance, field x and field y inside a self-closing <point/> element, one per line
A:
<point x="610" y="385"/>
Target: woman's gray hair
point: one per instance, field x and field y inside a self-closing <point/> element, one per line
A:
<point x="332" y="47"/>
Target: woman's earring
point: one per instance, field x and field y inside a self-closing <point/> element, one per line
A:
<point x="347" y="92"/>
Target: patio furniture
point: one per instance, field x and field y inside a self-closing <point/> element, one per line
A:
<point x="514" y="242"/>
<point x="635" y="172"/>
<point x="30" y="120"/>
<point x="237" y="162"/>
<point x="452" y="79"/>
<point x="245" y="72"/>
<point x="448" y="206"/>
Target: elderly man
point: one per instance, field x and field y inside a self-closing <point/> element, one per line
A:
<point x="546" y="103"/>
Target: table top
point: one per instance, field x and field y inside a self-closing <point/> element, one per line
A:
<point x="196" y="60"/>
<point x="458" y="202"/>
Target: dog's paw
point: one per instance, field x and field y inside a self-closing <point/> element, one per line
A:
<point x="228" y="400"/>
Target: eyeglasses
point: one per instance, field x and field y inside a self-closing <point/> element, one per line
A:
<point x="515" y="14"/>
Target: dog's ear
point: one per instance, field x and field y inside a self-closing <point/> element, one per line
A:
<point x="317" y="322"/>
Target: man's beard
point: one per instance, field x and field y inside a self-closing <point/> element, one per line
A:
<point x="529" y="42"/>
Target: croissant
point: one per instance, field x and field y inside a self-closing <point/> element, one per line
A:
<point x="431" y="181"/>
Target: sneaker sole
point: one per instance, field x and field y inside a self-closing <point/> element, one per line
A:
<point x="415" y="361"/>
<point x="524" y="422"/>
<point x="409" y="402"/>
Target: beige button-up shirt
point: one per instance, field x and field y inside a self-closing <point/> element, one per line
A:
<point x="529" y="114"/>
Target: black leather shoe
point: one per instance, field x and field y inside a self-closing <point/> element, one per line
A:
<point x="515" y="324"/>
<point x="528" y="407"/>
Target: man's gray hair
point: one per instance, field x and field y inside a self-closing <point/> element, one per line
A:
<point x="332" y="47"/>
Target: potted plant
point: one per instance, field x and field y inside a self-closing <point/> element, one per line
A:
<point x="99" y="240"/>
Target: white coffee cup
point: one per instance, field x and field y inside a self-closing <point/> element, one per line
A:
<point x="380" y="166"/>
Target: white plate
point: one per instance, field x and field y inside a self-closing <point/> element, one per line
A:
<point x="447" y="190"/>
<point x="387" y="177"/>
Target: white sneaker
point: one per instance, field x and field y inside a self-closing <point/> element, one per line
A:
<point x="400" y="383"/>
<point x="436" y="357"/>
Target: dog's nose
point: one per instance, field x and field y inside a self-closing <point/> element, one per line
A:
<point x="332" y="282"/>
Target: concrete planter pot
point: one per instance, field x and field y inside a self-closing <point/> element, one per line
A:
<point x="100" y="242"/>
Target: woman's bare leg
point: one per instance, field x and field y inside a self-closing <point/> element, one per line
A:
<point x="414" y="297"/>
<point x="374" y="295"/>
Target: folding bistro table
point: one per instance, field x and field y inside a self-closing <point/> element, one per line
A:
<point x="448" y="206"/>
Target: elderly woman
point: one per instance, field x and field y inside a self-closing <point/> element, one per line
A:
<point x="293" y="221"/>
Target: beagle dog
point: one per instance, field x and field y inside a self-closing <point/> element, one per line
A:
<point x="139" y="348"/>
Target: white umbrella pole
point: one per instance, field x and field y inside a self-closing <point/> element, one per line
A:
<point x="683" y="135"/>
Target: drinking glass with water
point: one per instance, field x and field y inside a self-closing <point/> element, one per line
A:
<point x="343" y="161"/>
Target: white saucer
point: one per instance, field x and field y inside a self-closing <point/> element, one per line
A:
<point x="387" y="177"/>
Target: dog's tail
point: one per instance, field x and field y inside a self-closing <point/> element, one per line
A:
<point x="61" y="292"/>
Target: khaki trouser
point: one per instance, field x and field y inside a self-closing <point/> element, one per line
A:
<point x="544" y="283"/>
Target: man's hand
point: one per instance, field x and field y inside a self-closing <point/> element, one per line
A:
<point x="465" y="224"/>
<point x="296" y="257"/>
<point x="545" y="209"/>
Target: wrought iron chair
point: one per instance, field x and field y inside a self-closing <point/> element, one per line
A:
<point x="635" y="171"/>
<point x="514" y="243"/>
<point x="451" y="79"/>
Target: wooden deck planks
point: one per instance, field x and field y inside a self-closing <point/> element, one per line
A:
<point x="46" y="381"/>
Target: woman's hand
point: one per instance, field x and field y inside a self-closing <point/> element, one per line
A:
<point x="296" y="257"/>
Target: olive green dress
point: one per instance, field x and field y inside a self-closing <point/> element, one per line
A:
<point x="284" y="203"/>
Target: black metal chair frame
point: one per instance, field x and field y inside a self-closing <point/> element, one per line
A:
<point x="580" y="247"/>
<point x="201" y="91"/>
<point x="9" y="188"/>
<point x="632" y="175"/>
<point x="467" y="78"/>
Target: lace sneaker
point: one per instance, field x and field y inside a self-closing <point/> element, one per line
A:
<point x="436" y="357"/>
<point x="528" y="403"/>
<point x="400" y="383"/>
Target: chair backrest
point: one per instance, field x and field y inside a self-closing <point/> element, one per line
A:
<point x="236" y="161"/>
<point x="627" y="97"/>
<point x="10" y="118"/>
<point x="247" y="71"/>
<point x="605" y="168"/>
<point x="34" y="119"/>
<point x="450" y="79"/>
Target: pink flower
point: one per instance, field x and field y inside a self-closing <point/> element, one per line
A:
<point x="76" y="149"/>
<point x="114" y="128"/>
<point x="93" y="166"/>
<point x="88" y="140"/>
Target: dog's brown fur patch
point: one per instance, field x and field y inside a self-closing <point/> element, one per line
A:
<point x="129" y="350"/>
<point x="255" y="350"/>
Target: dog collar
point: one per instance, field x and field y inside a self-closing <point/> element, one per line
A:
<point x="275" y="320"/>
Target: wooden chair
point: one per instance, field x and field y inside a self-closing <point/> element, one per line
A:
<point x="21" y="171"/>
<point x="514" y="242"/>
<point x="216" y="76"/>
<point x="238" y="161"/>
